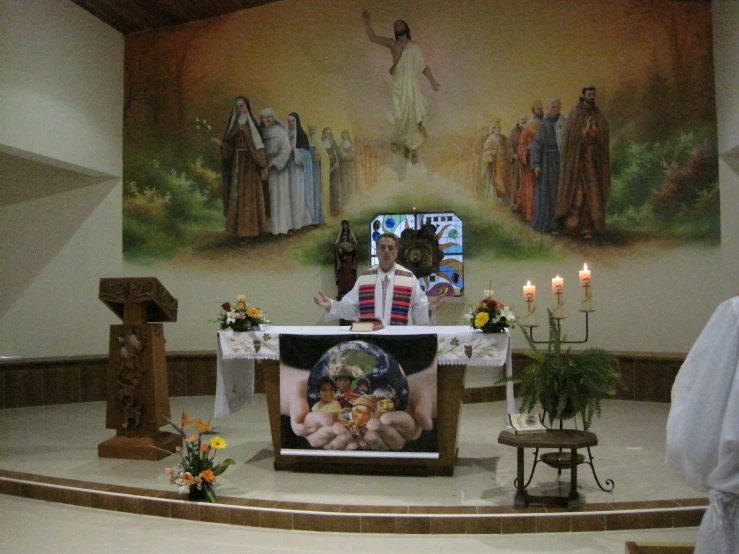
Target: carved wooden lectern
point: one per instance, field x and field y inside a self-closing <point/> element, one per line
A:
<point x="137" y="387"/>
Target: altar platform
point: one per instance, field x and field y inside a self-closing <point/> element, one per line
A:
<point x="51" y="454"/>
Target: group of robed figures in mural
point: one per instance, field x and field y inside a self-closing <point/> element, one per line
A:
<point x="554" y="170"/>
<point x="278" y="180"/>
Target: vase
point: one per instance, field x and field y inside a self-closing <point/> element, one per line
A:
<point x="242" y="328"/>
<point x="493" y="329"/>
<point x="196" y="494"/>
<point x="549" y="403"/>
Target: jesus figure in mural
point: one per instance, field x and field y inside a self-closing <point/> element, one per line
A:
<point x="409" y="104"/>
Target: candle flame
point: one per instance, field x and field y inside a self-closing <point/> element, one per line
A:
<point x="528" y="283"/>
<point x="584" y="267"/>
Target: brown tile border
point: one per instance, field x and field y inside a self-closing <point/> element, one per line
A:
<point x="407" y="520"/>
<point x="26" y="382"/>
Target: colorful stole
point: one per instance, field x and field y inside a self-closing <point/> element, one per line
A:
<point x="402" y="291"/>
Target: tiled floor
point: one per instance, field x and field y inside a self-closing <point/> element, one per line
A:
<point x="61" y="441"/>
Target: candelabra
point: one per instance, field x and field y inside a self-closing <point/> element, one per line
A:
<point x="530" y="330"/>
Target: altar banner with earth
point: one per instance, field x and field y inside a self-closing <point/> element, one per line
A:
<point x="359" y="395"/>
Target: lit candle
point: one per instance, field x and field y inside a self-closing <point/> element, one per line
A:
<point x="558" y="297"/>
<point x="586" y="290"/>
<point x="529" y="298"/>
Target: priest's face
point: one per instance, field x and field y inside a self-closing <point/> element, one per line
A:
<point x="387" y="252"/>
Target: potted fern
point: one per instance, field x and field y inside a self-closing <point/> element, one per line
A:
<point x="567" y="384"/>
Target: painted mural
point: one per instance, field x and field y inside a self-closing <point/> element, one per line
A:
<point x="544" y="126"/>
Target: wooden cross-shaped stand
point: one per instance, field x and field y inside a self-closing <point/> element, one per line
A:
<point x="137" y="387"/>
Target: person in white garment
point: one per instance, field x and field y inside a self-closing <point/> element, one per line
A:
<point x="388" y="292"/>
<point x="703" y="427"/>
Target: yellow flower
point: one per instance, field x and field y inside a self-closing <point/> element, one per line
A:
<point x="481" y="319"/>
<point x="254" y="313"/>
<point x="217" y="443"/>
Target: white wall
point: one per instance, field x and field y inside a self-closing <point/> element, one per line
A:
<point x="61" y="84"/>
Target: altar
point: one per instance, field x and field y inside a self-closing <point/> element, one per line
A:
<point x="456" y="348"/>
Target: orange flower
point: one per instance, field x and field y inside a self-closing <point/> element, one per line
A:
<point x="192" y="438"/>
<point x="254" y="312"/>
<point x="187" y="477"/>
<point x="204" y="447"/>
<point x="202" y="425"/>
<point x="167" y="471"/>
<point x="186" y="420"/>
<point x="207" y="475"/>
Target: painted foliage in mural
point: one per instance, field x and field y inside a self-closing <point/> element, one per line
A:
<point x="576" y="124"/>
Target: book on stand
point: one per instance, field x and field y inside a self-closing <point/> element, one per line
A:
<point x="526" y="423"/>
<point x="366" y="325"/>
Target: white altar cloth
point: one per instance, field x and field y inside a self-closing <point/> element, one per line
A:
<point x="457" y="345"/>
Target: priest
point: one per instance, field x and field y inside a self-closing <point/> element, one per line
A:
<point x="388" y="292"/>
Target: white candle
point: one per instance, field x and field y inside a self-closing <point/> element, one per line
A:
<point x="558" y="297"/>
<point x="529" y="298"/>
<point x="586" y="290"/>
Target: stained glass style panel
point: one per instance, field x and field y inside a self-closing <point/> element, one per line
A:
<point x="449" y="279"/>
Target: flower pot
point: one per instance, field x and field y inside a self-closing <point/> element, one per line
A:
<point x="196" y="494"/>
<point x="549" y="403"/>
<point x="244" y="327"/>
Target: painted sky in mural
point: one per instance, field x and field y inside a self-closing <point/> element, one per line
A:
<point x="491" y="60"/>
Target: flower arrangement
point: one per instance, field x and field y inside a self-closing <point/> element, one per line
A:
<point x="491" y="316"/>
<point x="197" y="471"/>
<point x="239" y="316"/>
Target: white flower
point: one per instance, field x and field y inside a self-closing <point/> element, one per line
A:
<point x="241" y="298"/>
<point x="231" y="317"/>
<point x="508" y="314"/>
